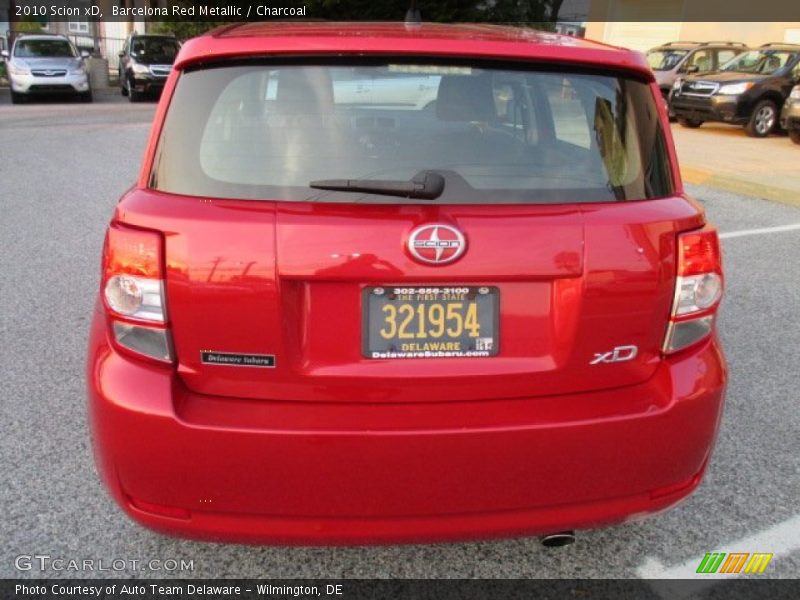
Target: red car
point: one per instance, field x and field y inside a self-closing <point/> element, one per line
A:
<point x="334" y="313"/>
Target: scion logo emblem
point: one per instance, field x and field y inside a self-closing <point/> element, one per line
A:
<point x="436" y="244"/>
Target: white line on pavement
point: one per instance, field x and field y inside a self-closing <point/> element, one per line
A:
<point x="780" y="539"/>
<point x="743" y="232"/>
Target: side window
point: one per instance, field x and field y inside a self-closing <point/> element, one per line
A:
<point x="233" y="143"/>
<point x="513" y="108"/>
<point x="796" y="72"/>
<point x="503" y="101"/>
<point x="700" y="59"/>
<point x="509" y="104"/>
<point x="724" y="56"/>
<point x="570" y="121"/>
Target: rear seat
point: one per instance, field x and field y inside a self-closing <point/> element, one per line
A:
<point x="469" y="100"/>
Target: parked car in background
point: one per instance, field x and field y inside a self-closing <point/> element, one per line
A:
<point x="749" y="90"/>
<point x="145" y="61"/>
<point x="790" y="116"/>
<point x="333" y="320"/>
<point x="40" y="65"/>
<point x="675" y="59"/>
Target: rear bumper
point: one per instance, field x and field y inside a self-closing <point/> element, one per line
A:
<point x="339" y="473"/>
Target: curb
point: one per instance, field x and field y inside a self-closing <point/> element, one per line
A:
<point x="743" y="187"/>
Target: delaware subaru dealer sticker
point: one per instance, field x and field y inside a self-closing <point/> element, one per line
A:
<point x="237" y="360"/>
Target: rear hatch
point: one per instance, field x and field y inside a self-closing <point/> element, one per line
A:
<point x="555" y="220"/>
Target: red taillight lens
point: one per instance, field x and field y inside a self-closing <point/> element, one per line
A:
<point x="132" y="285"/>
<point x="698" y="289"/>
<point x="132" y="252"/>
<point x="133" y="290"/>
<point x="698" y="252"/>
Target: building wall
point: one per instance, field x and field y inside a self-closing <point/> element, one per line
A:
<point x="752" y="34"/>
<point x="643" y="25"/>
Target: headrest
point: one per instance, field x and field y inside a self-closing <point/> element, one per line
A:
<point x="305" y="90"/>
<point x="466" y="98"/>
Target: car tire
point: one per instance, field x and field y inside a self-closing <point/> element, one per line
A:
<point x="690" y="123"/>
<point x="794" y="134"/>
<point x="86" y="96"/>
<point x="763" y="120"/>
<point x="17" y="98"/>
<point x="122" y="87"/>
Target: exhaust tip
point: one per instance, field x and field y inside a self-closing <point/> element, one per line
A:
<point x="556" y="540"/>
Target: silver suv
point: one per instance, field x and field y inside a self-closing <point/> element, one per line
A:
<point x="684" y="58"/>
<point x="46" y="64"/>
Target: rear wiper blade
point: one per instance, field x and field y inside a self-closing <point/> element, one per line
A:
<point x="427" y="185"/>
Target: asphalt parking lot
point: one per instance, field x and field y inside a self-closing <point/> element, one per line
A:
<point x="62" y="169"/>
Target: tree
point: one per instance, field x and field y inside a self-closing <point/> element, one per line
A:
<point x="27" y="26"/>
<point x="184" y="30"/>
<point x="522" y="11"/>
<point x="443" y="11"/>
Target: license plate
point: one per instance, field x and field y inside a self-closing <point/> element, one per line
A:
<point x="430" y="322"/>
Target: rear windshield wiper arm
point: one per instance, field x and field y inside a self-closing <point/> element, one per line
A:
<point x="427" y="185"/>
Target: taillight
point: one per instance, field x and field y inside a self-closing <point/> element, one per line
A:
<point x="698" y="289"/>
<point x="133" y="291"/>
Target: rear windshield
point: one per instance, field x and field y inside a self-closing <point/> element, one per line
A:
<point x="495" y="135"/>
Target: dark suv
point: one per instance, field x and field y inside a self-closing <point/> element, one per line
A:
<point x="749" y="90"/>
<point x="144" y="64"/>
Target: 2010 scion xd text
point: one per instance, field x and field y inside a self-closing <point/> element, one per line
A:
<point x="378" y="284"/>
